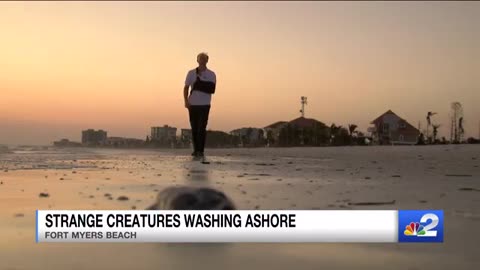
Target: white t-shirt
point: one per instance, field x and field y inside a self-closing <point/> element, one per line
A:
<point x="197" y="97"/>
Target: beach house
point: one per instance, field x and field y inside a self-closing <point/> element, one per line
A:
<point x="389" y="128"/>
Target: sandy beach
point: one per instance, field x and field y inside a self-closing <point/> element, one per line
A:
<point x="405" y="177"/>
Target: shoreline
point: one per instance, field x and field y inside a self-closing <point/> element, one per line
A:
<point x="336" y="178"/>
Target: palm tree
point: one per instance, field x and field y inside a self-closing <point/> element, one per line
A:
<point x="351" y="129"/>
<point x="334" y="133"/>
<point x="429" y="121"/>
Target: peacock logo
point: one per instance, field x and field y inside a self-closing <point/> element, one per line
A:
<point x="420" y="226"/>
<point x="414" y="229"/>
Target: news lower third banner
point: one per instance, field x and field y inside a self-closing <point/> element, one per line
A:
<point x="260" y="226"/>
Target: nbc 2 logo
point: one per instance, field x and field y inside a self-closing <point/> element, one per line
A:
<point x="416" y="229"/>
<point x="420" y="226"/>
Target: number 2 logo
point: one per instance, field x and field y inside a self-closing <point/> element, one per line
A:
<point x="428" y="228"/>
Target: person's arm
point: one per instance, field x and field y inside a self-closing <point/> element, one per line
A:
<point x="185" y="95"/>
<point x="185" y="90"/>
<point x="214" y="83"/>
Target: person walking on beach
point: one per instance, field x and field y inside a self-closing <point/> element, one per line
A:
<point x="201" y="81"/>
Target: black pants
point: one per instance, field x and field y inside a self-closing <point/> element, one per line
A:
<point x="198" y="121"/>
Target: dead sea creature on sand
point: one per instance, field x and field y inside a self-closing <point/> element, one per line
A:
<point x="191" y="198"/>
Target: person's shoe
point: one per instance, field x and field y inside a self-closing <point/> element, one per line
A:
<point x="200" y="154"/>
<point x="194" y="154"/>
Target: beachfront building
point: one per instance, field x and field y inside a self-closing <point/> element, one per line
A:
<point x="272" y="132"/>
<point x="91" y="137"/>
<point x="249" y="136"/>
<point x="220" y="139"/>
<point x="164" y="134"/>
<point x="311" y="131"/>
<point x="302" y="122"/>
<point x="185" y="138"/>
<point x="186" y="134"/>
<point x="299" y="131"/>
<point x="390" y="128"/>
<point x="65" y="143"/>
<point x="124" y="142"/>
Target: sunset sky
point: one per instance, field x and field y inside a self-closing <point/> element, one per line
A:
<point x="120" y="66"/>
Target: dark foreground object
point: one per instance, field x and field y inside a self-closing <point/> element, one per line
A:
<point x="191" y="198"/>
<point x="371" y="203"/>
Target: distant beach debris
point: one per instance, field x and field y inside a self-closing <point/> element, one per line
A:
<point x="43" y="195"/>
<point x="122" y="198"/>
<point x="371" y="203"/>
<point x="256" y="174"/>
<point x="191" y="198"/>
<point x="199" y="171"/>
<point x="469" y="189"/>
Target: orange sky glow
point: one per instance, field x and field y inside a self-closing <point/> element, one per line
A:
<point x="120" y="66"/>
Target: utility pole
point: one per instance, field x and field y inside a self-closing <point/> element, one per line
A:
<point x="303" y="101"/>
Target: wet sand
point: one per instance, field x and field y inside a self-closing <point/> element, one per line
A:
<point x="403" y="177"/>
